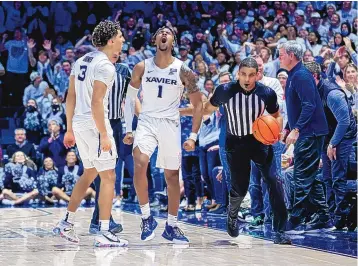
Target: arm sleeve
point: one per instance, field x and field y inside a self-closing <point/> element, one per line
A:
<point x="219" y="96"/>
<point x="104" y="72"/>
<point x="336" y="101"/>
<point x="305" y="89"/>
<point x="272" y="106"/>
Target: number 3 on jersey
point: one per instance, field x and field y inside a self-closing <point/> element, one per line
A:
<point x="160" y="91"/>
<point x="82" y="75"/>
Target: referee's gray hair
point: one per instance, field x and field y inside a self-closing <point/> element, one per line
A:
<point x="294" y="48"/>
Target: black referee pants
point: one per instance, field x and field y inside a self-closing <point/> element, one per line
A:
<point x="240" y="152"/>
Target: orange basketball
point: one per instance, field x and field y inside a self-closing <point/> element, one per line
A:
<point x="266" y="129"/>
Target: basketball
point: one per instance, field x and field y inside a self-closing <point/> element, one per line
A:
<point x="266" y="129"/>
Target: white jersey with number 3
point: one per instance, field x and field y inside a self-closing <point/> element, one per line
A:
<point x="92" y="66"/>
<point x="162" y="90"/>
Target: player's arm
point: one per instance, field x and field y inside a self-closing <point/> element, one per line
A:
<point x="189" y="80"/>
<point x="132" y="92"/>
<point x="70" y="103"/>
<point x="69" y="139"/>
<point x="103" y="77"/>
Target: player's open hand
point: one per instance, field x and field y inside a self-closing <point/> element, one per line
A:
<point x="106" y="143"/>
<point x="128" y="139"/>
<point x="189" y="145"/>
<point x="69" y="140"/>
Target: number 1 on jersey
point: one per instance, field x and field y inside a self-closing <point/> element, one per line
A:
<point x="160" y="91"/>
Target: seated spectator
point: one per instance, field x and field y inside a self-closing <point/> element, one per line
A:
<point x="68" y="176"/>
<point x="52" y="146"/>
<point x="31" y="121"/>
<point x="47" y="180"/>
<point x="36" y="89"/>
<point x="21" y="144"/>
<point x="20" y="177"/>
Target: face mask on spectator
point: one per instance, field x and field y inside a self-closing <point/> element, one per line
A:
<point x="30" y="109"/>
<point x="344" y="33"/>
<point x="55" y="108"/>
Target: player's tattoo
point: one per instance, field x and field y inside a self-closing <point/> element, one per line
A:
<point x="188" y="78"/>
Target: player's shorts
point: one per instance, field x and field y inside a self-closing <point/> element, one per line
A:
<point x="88" y="144"/>
<point x="164" y="133"/>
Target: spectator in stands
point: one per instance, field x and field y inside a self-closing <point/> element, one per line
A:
<point x="31" y="121"/>
<point x="2" y="73"/>
<point x="36" y="89"/>
<point x="338" y="145"/>
<point x="57" y="113"/>
<point x="38" y="17"/>
<point x="47" y="179"/>
<point x="62" y="43"/>
<point x="62" y="79"/>
<point x="183" y="50"/>
<point x="20" y="177"/>
<point x="52" y="146"/>
<point x="61" y="14"/>
<point x="45" y="62"/>
<point x="347" y="13"/>
<point x="21" y="144"/>
<point x="68" y="176"/>
<point x="16" y="68"/>
<point x="316" y="25"/>
<point x="15" y="16"/>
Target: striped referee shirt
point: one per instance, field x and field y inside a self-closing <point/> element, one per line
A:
<point x="242" y="107"/>
<point x="119" y="90"/>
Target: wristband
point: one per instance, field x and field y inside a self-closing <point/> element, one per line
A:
<point x="193" y="136"/>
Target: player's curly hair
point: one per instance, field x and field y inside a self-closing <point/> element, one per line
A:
<point x="103" y="32"/>
<point x="172" y="31"/>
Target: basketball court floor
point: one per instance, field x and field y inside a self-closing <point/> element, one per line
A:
<point x="26" y="239"/>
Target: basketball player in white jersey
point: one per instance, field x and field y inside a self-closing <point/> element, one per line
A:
<point x="163" y="78"/>
<point x="88" y="126"/>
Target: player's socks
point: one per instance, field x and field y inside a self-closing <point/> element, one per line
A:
<point x="70" y="217"/>
<point x="172" y="220"/>
<point x="104" y="225"/>
<point x="145" y="210"/>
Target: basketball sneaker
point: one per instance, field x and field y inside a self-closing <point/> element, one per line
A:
<point x="109" y="240"/>
<point x="67" y="231"/>
<point x="148" y="226"/>
<point x="174" y="234"/>
<point x="113" y="227"/>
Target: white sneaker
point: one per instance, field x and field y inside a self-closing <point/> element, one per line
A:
<point x="8" y="202"/>
<point x="109" y="240"/>
<point x="183" y="203"/>
<point x="62" y="202"/>
<point x="117" y="203"/>
<point x="66" y="231"/>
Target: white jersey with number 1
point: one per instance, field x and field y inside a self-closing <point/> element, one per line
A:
<point x="162" y="90"/>
<point x="92" y="66"/>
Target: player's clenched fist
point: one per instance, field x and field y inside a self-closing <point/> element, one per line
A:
<point x="189" y="145"/>
<point x="69" y="140"/>
<point x="106" y="143"/>
<point x="128" y="139"/>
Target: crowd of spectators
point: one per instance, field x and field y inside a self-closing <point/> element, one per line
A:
<point x="40" y="41"/>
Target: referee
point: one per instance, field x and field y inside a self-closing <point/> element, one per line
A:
<point x="244" y="101"/>
<point x="116" y="97"/>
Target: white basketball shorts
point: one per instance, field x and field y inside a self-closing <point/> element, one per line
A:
<point x="88" y="144"/>
<point x="164" y="133"/>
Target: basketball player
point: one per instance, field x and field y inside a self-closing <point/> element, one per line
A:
<point x="163" y="78"/>
<point x="88" y="126"/>
<point x="244" y="101"/>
